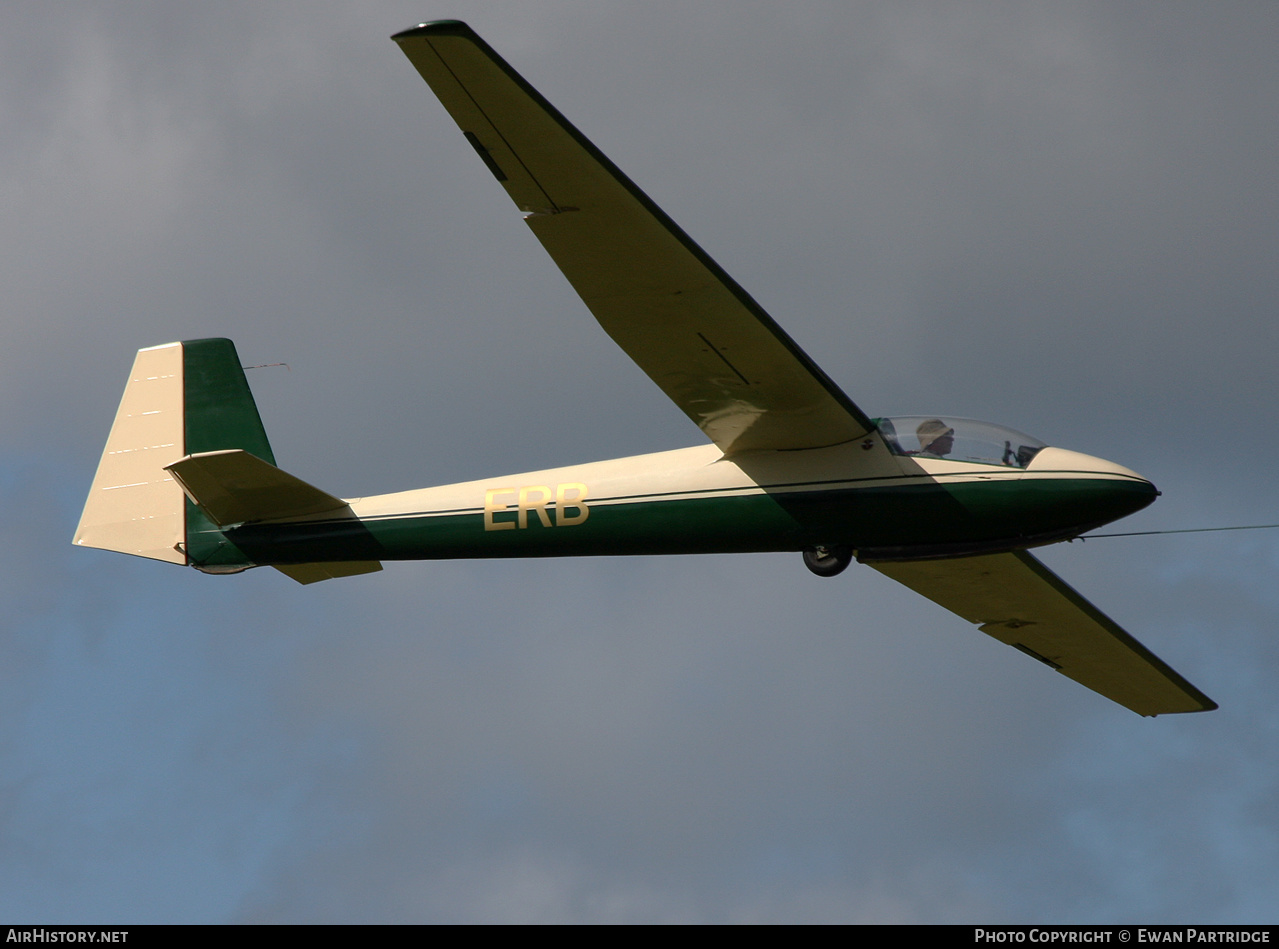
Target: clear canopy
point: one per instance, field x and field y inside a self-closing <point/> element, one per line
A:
<point x="958" y="439"/>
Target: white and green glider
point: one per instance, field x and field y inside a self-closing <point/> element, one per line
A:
<point x="946" y="506"/>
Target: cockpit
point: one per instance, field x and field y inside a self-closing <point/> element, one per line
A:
<point x="958" y="439"/>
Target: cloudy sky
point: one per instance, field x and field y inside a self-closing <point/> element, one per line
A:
<point x="1059" y="217"/>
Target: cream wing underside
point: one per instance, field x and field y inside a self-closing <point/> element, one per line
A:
<point x="675" y="312"/>
<point x="1017" y="600"/>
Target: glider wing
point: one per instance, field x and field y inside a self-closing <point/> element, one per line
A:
<point x="1017" y="600"/>
<point x="684" y="321"/>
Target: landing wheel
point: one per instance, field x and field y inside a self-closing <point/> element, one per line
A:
<point x="827" y="561"/>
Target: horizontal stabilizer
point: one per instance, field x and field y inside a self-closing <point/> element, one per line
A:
<point x="315" y="572"/>
<point x="235" y="487"/>
<point x="1017" y="600"/>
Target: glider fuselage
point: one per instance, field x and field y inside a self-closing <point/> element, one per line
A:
<point x="695" y="500"/>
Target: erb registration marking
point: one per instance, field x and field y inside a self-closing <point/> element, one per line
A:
<point x="507" y="509"/>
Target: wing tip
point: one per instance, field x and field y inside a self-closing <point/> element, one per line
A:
<point x="1210" y="706"/>
<point x="434" y="28"/>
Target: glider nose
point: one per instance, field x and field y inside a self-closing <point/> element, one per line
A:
<point x="1097" y="491"/>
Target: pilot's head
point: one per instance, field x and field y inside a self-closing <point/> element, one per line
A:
<point x="935" y="437"/>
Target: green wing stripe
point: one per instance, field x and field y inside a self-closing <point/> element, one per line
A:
<point x="684" y="321"/>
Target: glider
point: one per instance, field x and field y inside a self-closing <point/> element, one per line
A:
<point x="949" y="507"/>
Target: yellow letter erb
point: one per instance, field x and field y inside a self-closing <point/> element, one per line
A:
<point x="535" y="498"/>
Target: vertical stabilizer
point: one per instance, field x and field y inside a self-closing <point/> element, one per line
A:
<point x="181" y="398"/>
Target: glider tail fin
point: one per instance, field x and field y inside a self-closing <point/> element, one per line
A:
<point x="181" y="399"/>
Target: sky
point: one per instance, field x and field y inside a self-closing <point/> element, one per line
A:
<point x="1061" y="218"/>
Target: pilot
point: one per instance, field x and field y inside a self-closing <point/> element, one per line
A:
<point x="936" y="438"/>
